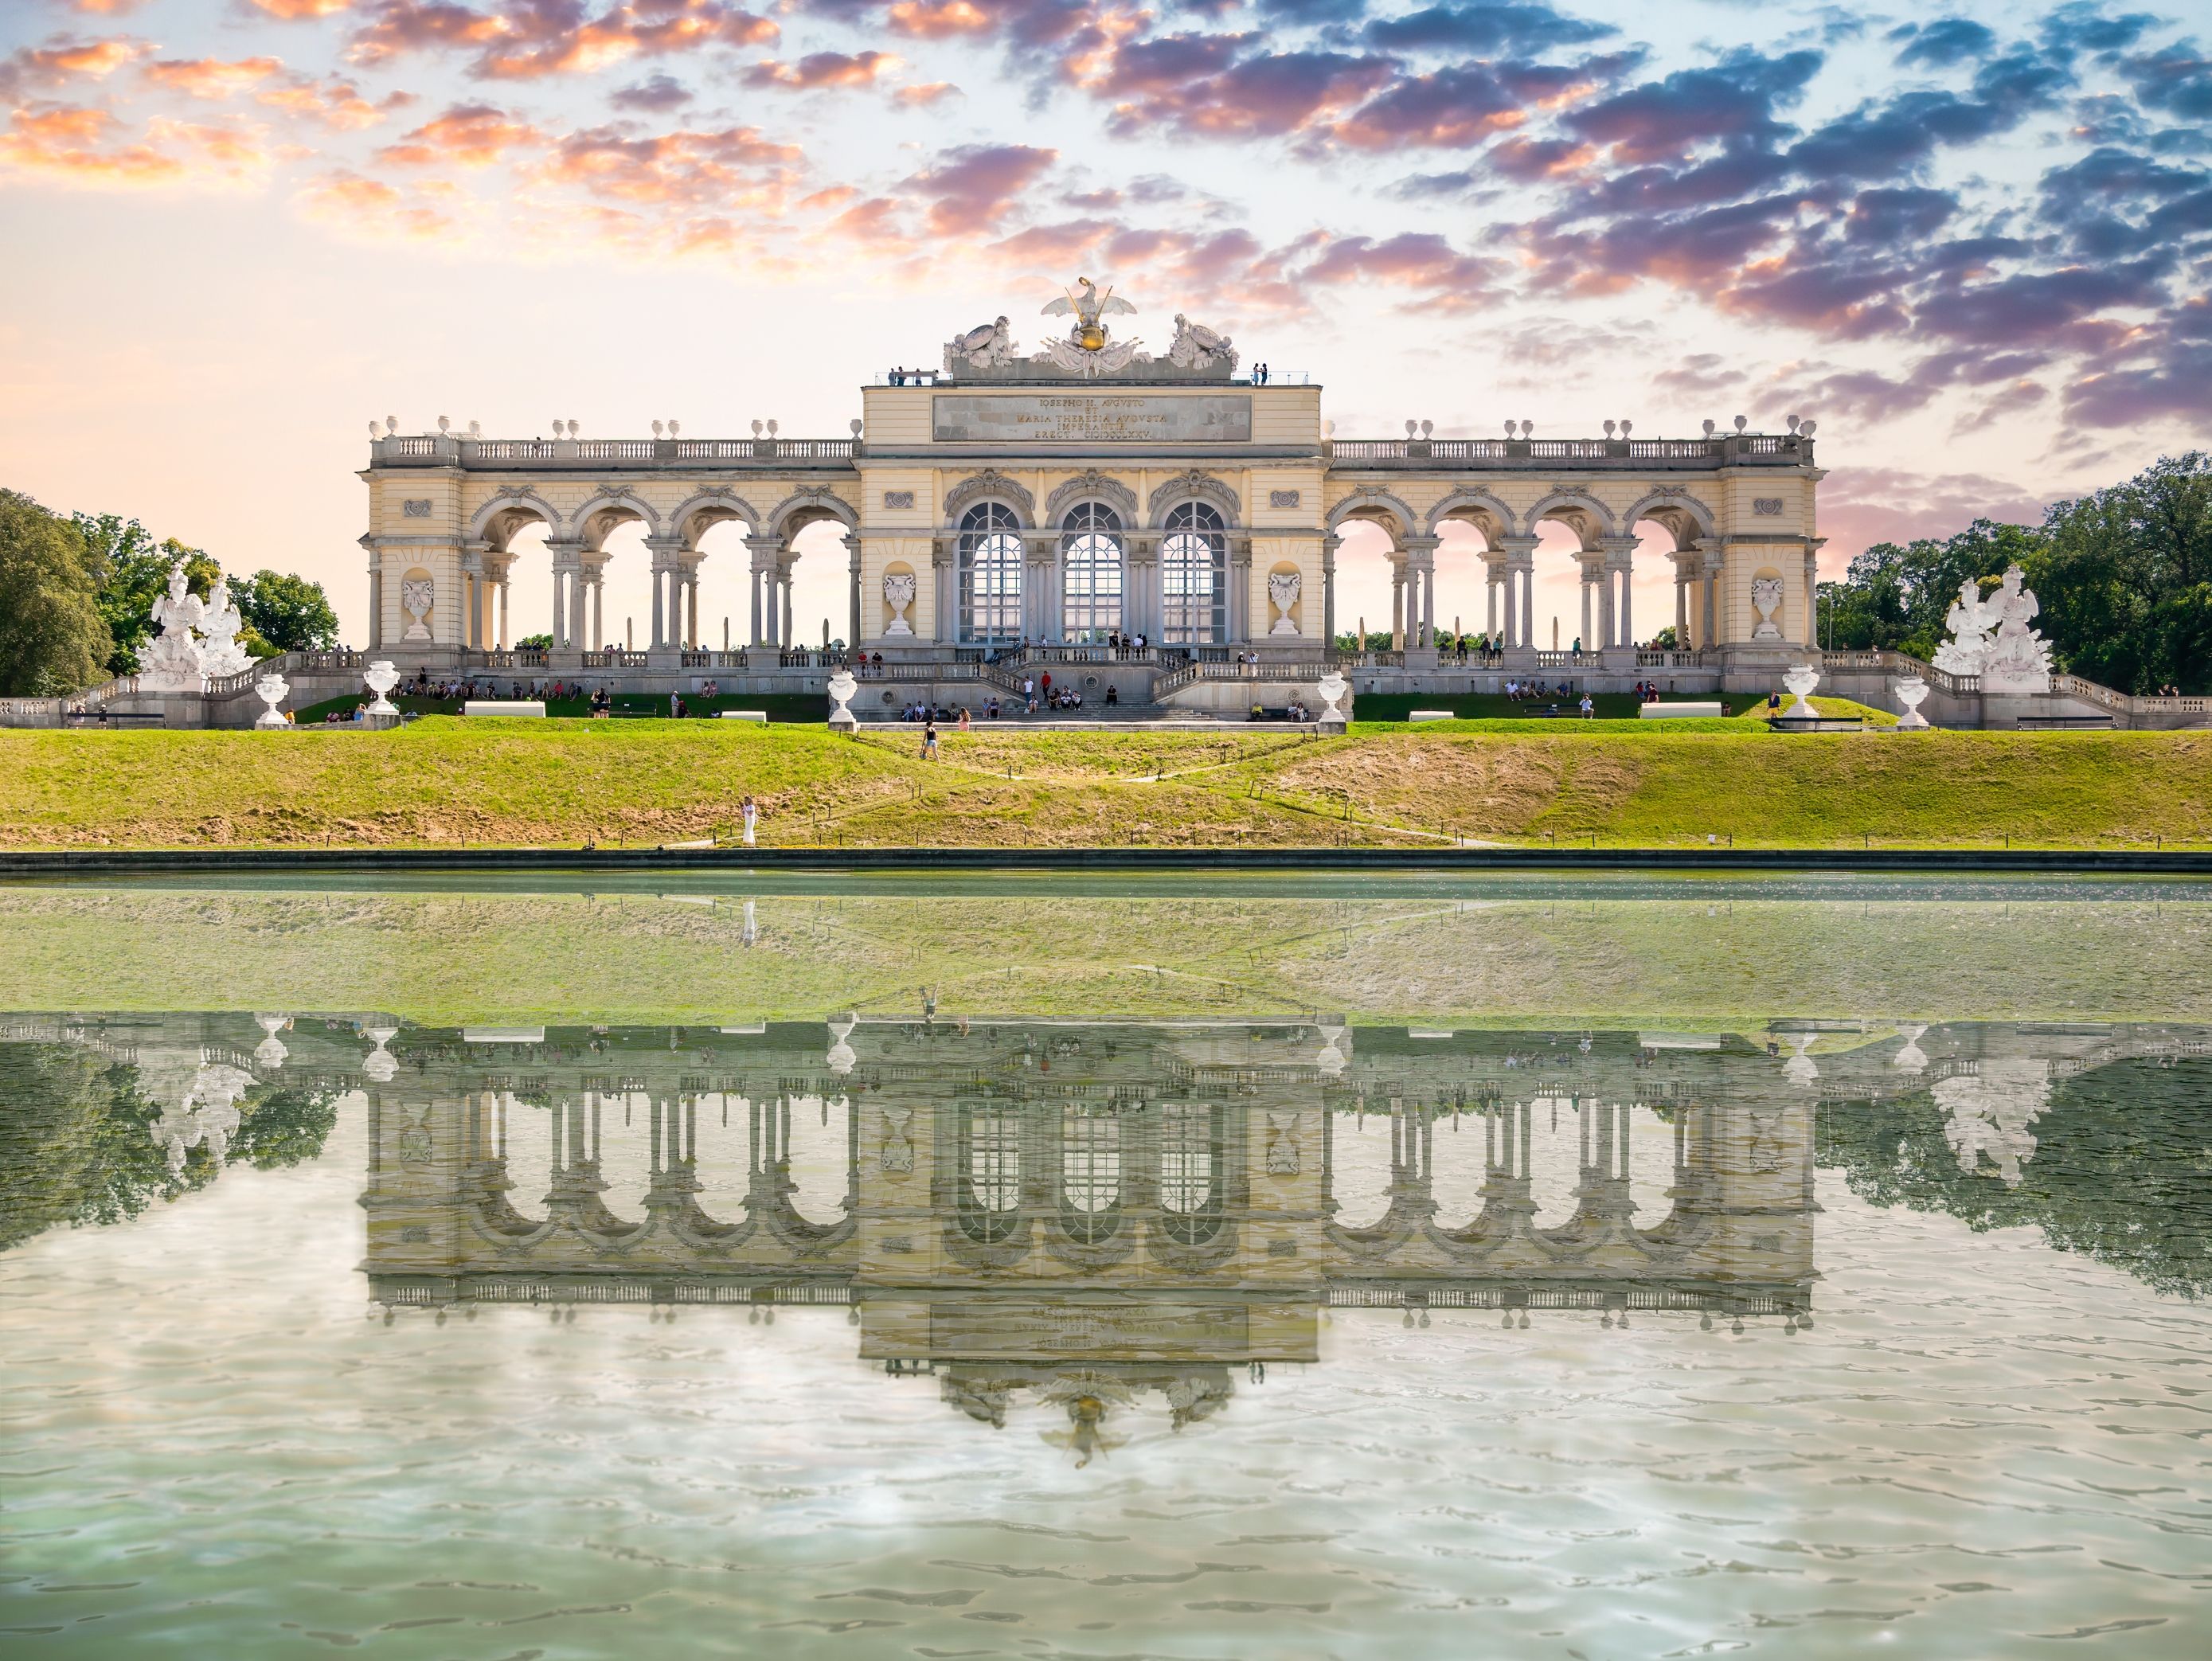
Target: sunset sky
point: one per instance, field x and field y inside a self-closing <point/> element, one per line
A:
<point x="1976" y="245"/>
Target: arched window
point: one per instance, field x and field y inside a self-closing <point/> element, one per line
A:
<point x="1190" y="1173"/>
<point x="1090" y="1171"/>
<point x="1193" y="577"/>
<point x="1090" y="561"/>
<point x="990" y="574"/>
<point x="991" y="1173"/>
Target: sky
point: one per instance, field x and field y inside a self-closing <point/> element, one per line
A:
<point x="1975" y="242"/>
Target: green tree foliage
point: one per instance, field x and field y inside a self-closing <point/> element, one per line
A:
<point x="52" y="638"/>
<point x="132" y="570"/>
<point x="76" y="1143"/>
<point x="287" y="613"/>
<point x="1894" y="598"/>
<point x="535" y="643"/>
<point x="2122" y="1169"/>
<point x="2125" y="581"/>
<point x="2123" y="576"/>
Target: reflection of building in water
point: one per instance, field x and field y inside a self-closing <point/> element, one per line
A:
<point x="1089" y="1214"/>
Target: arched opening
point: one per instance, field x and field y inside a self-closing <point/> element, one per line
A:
<point x="1195" y="577"/>
<point x="1366" y="577"/>
<point x="1468" y="612"/>
<point x="809" y="598"/>
<point x="1569" y="611"/>
<point x="989" y="1200"/>
<point x="1092" y="573"/>
<point x="1090" y="1171"/>
<point x="1668" y="595"/>
<point x="1190" y="1172"/>
<point x="1361" y="1149"/>
<point x="724" y="567"/>
<point x="989" y="564"/>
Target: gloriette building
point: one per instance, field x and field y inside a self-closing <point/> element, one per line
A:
<point x="1050" y="501"/>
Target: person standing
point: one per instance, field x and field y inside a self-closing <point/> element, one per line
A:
<point x="929" y="740"/>
<point x="751" y="813"/>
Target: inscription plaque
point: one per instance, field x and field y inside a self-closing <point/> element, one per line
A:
<point x="1090" y="418"/>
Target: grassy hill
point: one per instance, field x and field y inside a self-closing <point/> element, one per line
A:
<point x="444" y="781"/>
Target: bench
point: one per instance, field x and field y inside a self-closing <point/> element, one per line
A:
<point x="2065" y="723"/>
<point x="533" y="708"/>
<point x="1431" y="714"/>
<point x="744" y="715"/>
<point x="1815" y="723"/>
<point x="119" y="718"/>
<point x="1680" y="711"/>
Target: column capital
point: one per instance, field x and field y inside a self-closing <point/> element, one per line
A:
<point x="1517" y="550"/>
<point x="1617" y="549"/>
<point x="567" y="554"/>
<point x="1418" y="545"/>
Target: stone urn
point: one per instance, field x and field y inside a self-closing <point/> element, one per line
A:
<point x="841" y="688"/>
<point x="1800" y="680"/>
<point x="1912" y="692"/>
<point x="841" y="1056"/>
<point x="272" y="690"/>
<point x="380" y="677"/>
<point x="1332" y="687"/>
<point x="381" y="1066"/>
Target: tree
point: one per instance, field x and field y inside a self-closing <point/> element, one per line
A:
<point x="132" y="570"/>
<point x="289" y="613"/>
<point x="535" y="643"/>
<point x="2123" y="580"/>
<point x="52" y="638"/>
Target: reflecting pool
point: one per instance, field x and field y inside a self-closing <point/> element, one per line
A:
<point x="1172" y="1268"/>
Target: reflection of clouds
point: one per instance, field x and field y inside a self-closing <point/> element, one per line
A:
<point x="1987" y="1113"/>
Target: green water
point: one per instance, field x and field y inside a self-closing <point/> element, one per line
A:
<point x="1106" y="1269"/>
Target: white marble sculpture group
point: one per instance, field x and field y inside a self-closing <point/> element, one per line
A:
<point x="197" y="642"/>
<point x="1992" y="639"/>
<point x="1087" y="350"/>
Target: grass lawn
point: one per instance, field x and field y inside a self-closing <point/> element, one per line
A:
<point x="560" y="782"/>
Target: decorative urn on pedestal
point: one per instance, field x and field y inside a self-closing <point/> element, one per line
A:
<point x="1912" y="692"/>
<point x="272" y="688"/>
<point x="380" y="677"/>
<point x="1332" y="687"/>
<point x="1800" y="680"/>
<point x="841" y="688"/>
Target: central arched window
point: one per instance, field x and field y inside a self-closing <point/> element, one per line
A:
<point x="990" y="574"/>
<point x="1195" y="577"/>
<point x="1090" y="1170"/>
<point x="1190" y="1173"/>
<point x="991" y="1177"/>
<point x="1090" y="562"/>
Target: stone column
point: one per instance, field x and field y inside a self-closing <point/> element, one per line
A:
<point x="1421" y="568"/>
<point x="945" y="630"/>
<point x="1329" y="543"/>
<point x="1812" y="597"/>
<point x="1681" y="607"/>
<point x="1709" y="569"/>
<point x="783" y="576"/>
<point x="1589" y="588"/>
<point x="852" y="552"/>
<point x="1520" y="562"/>
<point x="1397" y="603"/>
<point x="1240" y="588"/>
<point x="567" y="566"/>
<point x="376" y="602"/>
<point x="1619" y="629"/>
<point x="1492" y="574"/>
<point x="767" y="551"/>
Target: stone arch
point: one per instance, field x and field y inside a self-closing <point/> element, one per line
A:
<point x="1192" y="486"/>
<point x="1577" y="508"/>
<point x="1480" y="508"/>
<point x="990" y="485"/>
<point x="715" y="505"/>
<point x="1375" y="504"/>
<point x="611" y="506"/>
<point x="514" y="507"/>
<point x="1685" y="516"/>
<point x="1092" y="485"/>
<point x="810" y="505"/>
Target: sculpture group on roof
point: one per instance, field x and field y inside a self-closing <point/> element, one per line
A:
<point x="1088" y="348"/>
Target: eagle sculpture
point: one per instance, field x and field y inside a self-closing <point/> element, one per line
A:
<point x="1086" y="302"/>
